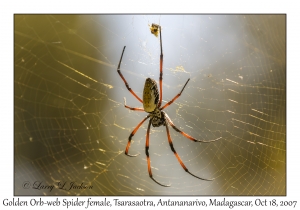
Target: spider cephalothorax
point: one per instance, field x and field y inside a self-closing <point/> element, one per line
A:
<point x="158" y="118"/>
<point x="152" y="99"/>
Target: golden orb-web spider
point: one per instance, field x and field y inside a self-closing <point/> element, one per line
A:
<point x="152" y="105"/>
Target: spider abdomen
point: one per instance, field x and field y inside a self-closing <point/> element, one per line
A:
<point x="150" y="95"/>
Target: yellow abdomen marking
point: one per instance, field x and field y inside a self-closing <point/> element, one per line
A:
<point x="150" y="95"/>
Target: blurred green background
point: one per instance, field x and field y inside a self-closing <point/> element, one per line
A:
<point x="70" y="124"/>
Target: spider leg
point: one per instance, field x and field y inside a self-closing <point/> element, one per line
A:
<point x="185" y="134"/>
<point x="177" y="96"/>
<point x="132" y="134"/>
<point x="148" y="158"/>
<point x="132" y="108"/>
<point x="177" y="156"/>
<point x="161" y="69"/>
<point x="126" y="84"/>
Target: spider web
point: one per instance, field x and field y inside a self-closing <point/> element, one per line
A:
<point x="70" y="124"/>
